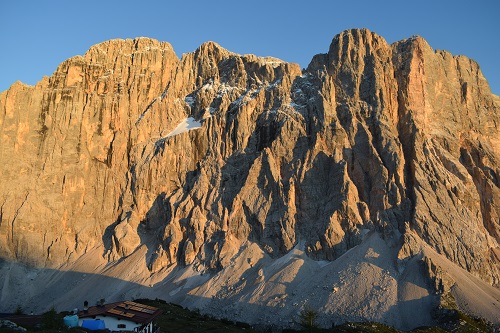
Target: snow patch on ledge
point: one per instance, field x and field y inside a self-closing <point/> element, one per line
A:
<point x="186" y="125"/>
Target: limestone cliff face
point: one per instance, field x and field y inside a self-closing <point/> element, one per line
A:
<point x="398" y="139"/>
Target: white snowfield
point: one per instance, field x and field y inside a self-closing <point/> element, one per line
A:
<point x="252" y="287"/>
<point x="186" y="125"/>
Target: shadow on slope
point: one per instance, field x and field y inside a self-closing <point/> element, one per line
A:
<point x="38" y="290"/>
<point x="361" y="285"/>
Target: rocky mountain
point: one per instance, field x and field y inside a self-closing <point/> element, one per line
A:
<point x="243" y="183"/>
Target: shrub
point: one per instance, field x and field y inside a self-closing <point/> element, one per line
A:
<point x="51" y="320"/>
<point x="308" y="318"/>
<point x="19" y="310"/>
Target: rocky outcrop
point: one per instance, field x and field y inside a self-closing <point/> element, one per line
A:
<point x="398" y="139"/>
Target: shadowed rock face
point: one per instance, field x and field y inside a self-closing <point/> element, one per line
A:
<point x="400" y="139"/>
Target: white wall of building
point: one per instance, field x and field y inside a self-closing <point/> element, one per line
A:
<point x="112" y="323"/>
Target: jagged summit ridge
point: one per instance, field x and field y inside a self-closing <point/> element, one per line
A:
<point x="396" y="146"/>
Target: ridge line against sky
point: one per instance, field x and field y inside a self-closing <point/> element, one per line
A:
<point x="37" y="36"/>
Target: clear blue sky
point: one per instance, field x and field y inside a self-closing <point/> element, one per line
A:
<point x="38" y="35"/>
